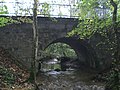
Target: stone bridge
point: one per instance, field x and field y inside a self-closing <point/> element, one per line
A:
<point x="18" y="38"/>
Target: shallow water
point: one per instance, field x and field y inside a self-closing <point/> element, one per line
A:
<point x="71" y="79"/>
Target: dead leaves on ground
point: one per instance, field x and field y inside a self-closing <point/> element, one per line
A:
<point x="9" y="71"/>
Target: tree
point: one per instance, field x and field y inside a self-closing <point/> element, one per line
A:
<point x="35" y="46"/>
<point x="7" y="20"/>
<point x="107" y="27"/>
<point x="114" y="83"/>
<point x="4" y="21"/>
<point x="114" y="21"/>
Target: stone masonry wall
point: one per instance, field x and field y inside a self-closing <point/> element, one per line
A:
<point x="17" y="38"/>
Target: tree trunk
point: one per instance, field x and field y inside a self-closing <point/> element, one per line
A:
<point x="114" y="20"/>
<point x="35" y="44"/>
<point x="114" y="83"/>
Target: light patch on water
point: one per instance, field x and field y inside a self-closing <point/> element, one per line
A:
<point x="53" y="72"/>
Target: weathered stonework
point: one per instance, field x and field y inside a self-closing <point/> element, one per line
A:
<point x="17" y="38"/>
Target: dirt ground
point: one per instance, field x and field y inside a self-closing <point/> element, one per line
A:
<point x="11" y="75"/>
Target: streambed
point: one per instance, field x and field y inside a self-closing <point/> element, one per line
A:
<point x="71" y="79"/>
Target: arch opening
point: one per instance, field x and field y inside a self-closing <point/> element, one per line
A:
<point x="81" y="51"/>
<point x="61" y="50"/>
<point x="59" y="57"/>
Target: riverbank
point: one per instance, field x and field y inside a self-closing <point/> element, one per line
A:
<point x="11" y="75"/>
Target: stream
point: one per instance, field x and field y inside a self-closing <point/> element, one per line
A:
<point x="52" y="78"/>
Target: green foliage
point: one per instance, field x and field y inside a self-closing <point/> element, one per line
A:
<point x="8" y="76"/>
<point x="90" y="25"/>
<point x="3" y="9"/>
<point x="3" y="21"/>
<point x="90" y="22"/>
<point x="85" y="7"/>
<point x="85" y="29"/>
<point x="60" y="49"/>
<point x="6" y="20"/>
<point x="114" y="77"/>
<point x="23" y="19"/>
<point x="45" y="9"/>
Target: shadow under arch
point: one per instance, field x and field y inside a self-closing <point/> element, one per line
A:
<point x="81" y="48"/>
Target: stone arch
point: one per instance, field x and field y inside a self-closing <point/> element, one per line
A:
<point x="82" y="48"/>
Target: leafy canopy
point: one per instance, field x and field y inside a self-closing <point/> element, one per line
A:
<point x="94" y="16"/>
